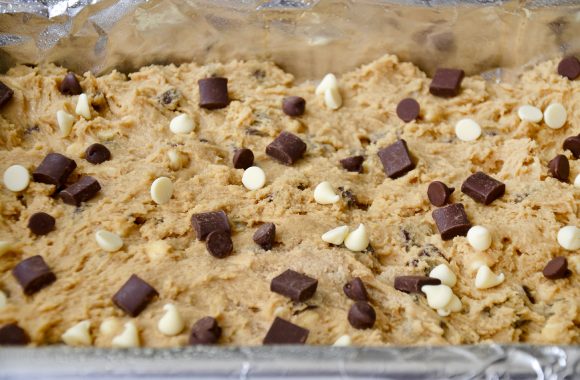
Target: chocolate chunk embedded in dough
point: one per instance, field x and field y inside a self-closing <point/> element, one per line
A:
<point x="33" y="274"/>
<point x="243" y="158"/>
<point x="396" y="159"/>
<point x="569" y="67"/>
<point x="451" y="221"/>
<point x="483" y="188"/>
<point x="557" y="268"/>
<point x="572" y="144"/>
<point x="438" y="193"/>
<point x="446" y="82"/>
<point x="413" y="284"/>
<point x="207" y="222"/>
<point x="353" y="164"/>
<point x="6" y="94"/>
<point x="296" y="286"/>
<point x="219" y="244"/>
<point x="284" y="332"/>
<point x="559" y="168"/>
<point x="408" y="110"/>
<point x="265" y="236"/>
<point x="81" y="191"/>
<point x="97" y="154"/>
<point x="205" y="331"/>
<point x="286" y="148"/>
<point x="70" y="85"/>
<point x="362" y="316"/>
<point x="355" y="290"/>
<point x="134" y="296"/>
<point x="213" y="93"/>
<point x="54" y="169"/>
<point x="13" y="335"/>
<point x="41" y="223"/>
<point x="293" y="105"/>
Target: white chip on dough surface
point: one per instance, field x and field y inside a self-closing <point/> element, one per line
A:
<point x="109" y="326"/>
<point x="181" y="124"/>
<point x="16" y="178"/>
<point x="555" y="116"/>
<point x="108" y="241"/>
<point x="577" y="181"/>
<point x="530" y="113"/>
<point x="65" y="122"/>
<point x="128" y="338"/>
<point x="485" y="278"/>
<point x="438" y="296"/>
<point x="479" y="238"/>
<point x="357" y="240"/>
<point x="254" y="178"/>
<point x="161" y="190"/>
<point x="445" y="274"/>
<point x="343" y="341"/>
<point x="78" y="335"/>
<point x="176" y="159"/>
<point x="171" y="323"/>
<point x="335" y="236"/>
<point x="3" y="299"/>
<point x="569" y="238"/>
<point x="83" y="109"/>
<point x="324" y="194"/>
<point x="454" y="306"/>
<point x="332" y="98"/>
<point x="329" y="81"/>
<point x="467" y="130"/>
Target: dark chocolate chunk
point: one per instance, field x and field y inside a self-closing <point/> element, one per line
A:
<point x="293" y="105"/>
<point x="134" y="296"/>
<point x="446" y="82"/>
<point x="54" y="169"/>
<point x="557" y="268"/>
<point x="296" y="286"/>
<point x="6" y="94"/>
<point x="33" y="274"/>
<point x="438" y="193"/>
<point x="213" y="93"/>
<point x="573" y="145"/>
<point x="355" y="290"/>
<point x="483" y="188"/>
<point x="286" y="148"/>
<point x="451" y="221"/>
<point x="353" y="164"/>
<point x="408" y="110"/>
<point x="207" y="222"/>
<point x="413" y="284"/>
<point x="284" y="332"/>
<point x="559" y="168"/>
<point x="265" y="236"/>
<point x="70" y="85"/>
<point x="13" y="335"/>
<point x="243" y="158"/>
<point x="41" y="223"/>
<point x="569" y="67"/>
<point x="362" y="316"/>
<point x="81" y="191"/>
<point x="396" y="159"/>
<point x="219" y="244"/>
<point x="205" y="331"/>
<point x="97" y="154"/>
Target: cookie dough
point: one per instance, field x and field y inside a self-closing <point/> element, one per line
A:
<point x="131" y="116"/>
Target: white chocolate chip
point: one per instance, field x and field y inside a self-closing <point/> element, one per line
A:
<point x="83" y="109"/>
<point x="569" y="238"/>
<point x="65" y="122"/>
<point x="357" y="240"/>
<point x="530" y="113"/>
<point x="176" y="159"/>
<point x="3" y="299"/>
<point x="479" y="238"/>
<point x="253" y="178"/>
<point x="16" y="178"/>
<point x="157" y="250"/>
<point x="485" y="278"/>
<point x="128" y="338"/>
<point x="161" y="190"/>
<point x="332" y="98"/>
<point x="336" y="236"/>
<point x="5" y="247"/>
<point x="324" y="194"/>
<point x="181" y="124"/>
<point x="577" y="181"/>
<point x="329" y="81"/>
<point x="108" y="241"/>
<point x="171" y="323"/>
<point x="467" y="130"/>
<point x="78" y="335"/>
<point x="343" y="341"/>
<point x="445" y="274"/>
<point x="109" y="326"/>
<point x="454" y="306"/>
<point x="555" y="116"/>
<point x="438" y="296"/>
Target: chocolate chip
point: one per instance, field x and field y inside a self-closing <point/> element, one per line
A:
<point x="54" y="169"/>
<point x="13" y="335"/>
<point x="293" y="105"/>
<point x="97" y="154"/>
<point x="6" y="94"/>
<point x="41" y="223"/>
<point x="286" y="148"/>
<point x="355" y="290"/>
<point x="438" y="193"/>
<point x="284" y="332"/>
<point x="353" y="164"/>
<point x="207" y="222"/>
<point x="559" y="168"/>
<point x="70" y="85"/>
<point x="446" y="82"/>
<point x="451" y="221"/>
<point x="219" y="244"/>
<point x="408" y="110"/>
<point x="362" y="316"/>
<point x="170" y="98"/>
<point x="81" y="191"/>
<point x="573" y="145"/>
<point x="569" y="67"/>
<point x="265" y="236"/>
<point x="243" y="158"/>
<point x="557" y="268"/>
<point x="396" y="159"/>
<point x="134" y="296"/>
<point x="33" y="274"/>
<point x="483" y="188"/>
<point x="413" y="284"/>
<point x="213" y="93"/>
<point x="205" y="331"/>
<point x="296" y="286"/>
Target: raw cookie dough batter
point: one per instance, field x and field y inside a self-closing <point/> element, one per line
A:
<point x="131" y="115"/>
